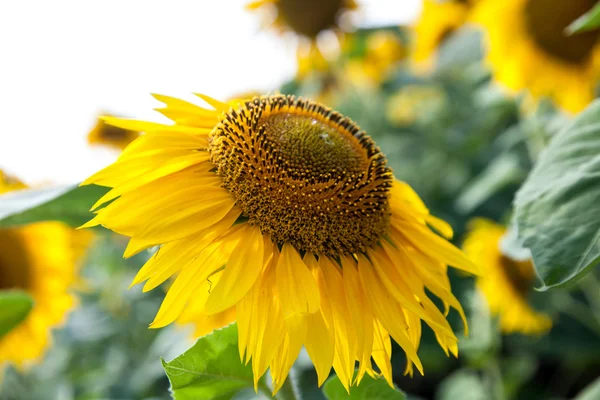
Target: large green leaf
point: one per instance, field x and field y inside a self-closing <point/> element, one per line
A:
<point x="368" y="389"/>
<point x="557" y="209"/>
<point x="211" y="369"/>
<point x="591" y="392"/>
<point x="587" y="22"/>
<point x="69" y="204"/>
<point x="14" y="308"/>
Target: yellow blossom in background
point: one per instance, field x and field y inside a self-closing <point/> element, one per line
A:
<point x="412" y="102"/>
<point x="307" y="20"/>
<point x="438" y="20"/>
<point x="111" y="136"/>
<point x="505" y="282"/>
<point x="281" y="214"/>
<point x="40" y="259"/>
<point x="528" y="49"/>
<point x="383" y="51"/>
<point x="9" y="183"/>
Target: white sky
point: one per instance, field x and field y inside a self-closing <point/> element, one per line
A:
<point x="62" y="62"/>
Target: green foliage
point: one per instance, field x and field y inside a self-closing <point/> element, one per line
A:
<point x="14" y="308"/>
<point x="69" y="204"/>
<point x="587" y="22"/>
<point x="557" y="209"/>
<point x="211" y="369"/>
<point x="464" y="385"/>
<point x="369" y="388"/>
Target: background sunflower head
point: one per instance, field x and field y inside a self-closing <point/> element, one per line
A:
<point x="528" y="48"/>
<point x="42" y="260"/>
<point x="506" y="282"/>
<point x="307" y="20"/>
<point x="110" y="136"/>
<point x="438" y="21"/>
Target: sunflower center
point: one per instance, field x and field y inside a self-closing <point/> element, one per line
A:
<point x="309" y="17"/>
<point x="519" y="274"/>
<point x="14" y="271"/>
<point x="546" y="21"/>
<point x="304" y="174"/>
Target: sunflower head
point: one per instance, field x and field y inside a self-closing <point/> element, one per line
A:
<point x="437" y="22"/>
<point x="281" y="214"/>
<point x="307" y="19"/>
<point x="309" y="172"/>
<point x="506" y="283"/>
<point x="528" y="48"/>
<point x="379" y="54"/>
<point x="41" y="260"/>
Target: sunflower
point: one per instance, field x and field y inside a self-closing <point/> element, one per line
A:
<point x="41" y="260"/>
<point x="437" y="22"/>
<point x="413" y="102"/>
<point x="383" y="50"/>
<point x="505" y="282"/>
<point x="281" y="214"/>
<point x="111" y="136"/>
<point x="307" y="19"/>
<point x="529" y="49"/>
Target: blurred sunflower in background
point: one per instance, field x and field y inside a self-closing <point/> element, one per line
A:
<point x="438" y="20"/>
<point x="379" y="56"/>
<point x="528" y="48"/>
<point x="505" y="282"/>
<point x="107" y="135"/>
<point x="40" y="259"/>
<point x="308" y="20"/>
<point x="412" y="102"/>
<point x="282" y="214"/>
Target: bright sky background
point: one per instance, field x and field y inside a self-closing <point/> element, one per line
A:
<point x="63" y="62"/>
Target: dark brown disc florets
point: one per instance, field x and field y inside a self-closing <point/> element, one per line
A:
<point x="304" y="174"/>
<point x="546" y="21"/>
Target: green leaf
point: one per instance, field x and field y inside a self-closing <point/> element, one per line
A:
<point x="14" y="308"/>
<point x="557" y="210"/>
<point x="368" y="389"/>
<point x="591" y="391"/>
<point x="69" y="204"/>
<point x="464" y="385"/>
<point x="502" y="171"/>
<point x="211" y="369"/>
<point x="587" y="22"/>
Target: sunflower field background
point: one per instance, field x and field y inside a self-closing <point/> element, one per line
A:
<point x="488" y="109"/>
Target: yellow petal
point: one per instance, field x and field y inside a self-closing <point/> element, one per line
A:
<point x="345" y="335"/>
<point x="243" y="268"/>
<point x="190" y="280"/>
<point x="145" y="126"/>
<point x="361" y="314"/>
<point x="218" y="105"/>
<point x="297" y="289"/>
<point x="182" y="215"/>
<point x="382" y="351"/>
<point x="433" y="245"/>
<point x="387" y="310"/>
<point x="320" y="338"/>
